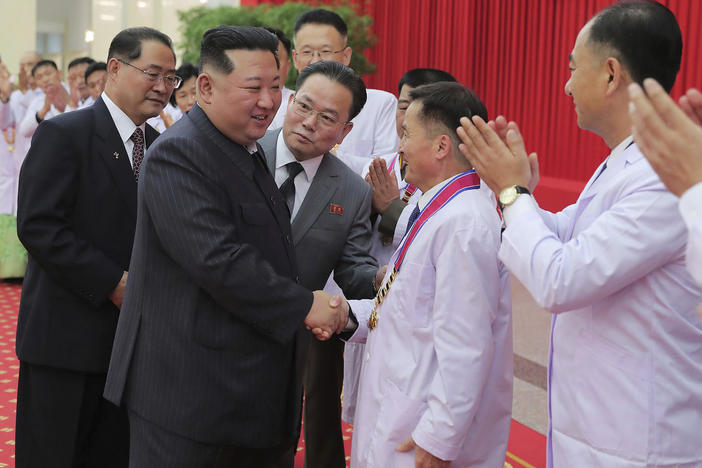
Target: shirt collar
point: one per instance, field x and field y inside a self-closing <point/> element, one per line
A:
<point x="285" y="156"/>
<point x="125" y="125"/>
<point x="429" y="194"/>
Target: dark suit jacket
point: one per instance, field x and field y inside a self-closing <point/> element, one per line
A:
<point x="210" y="342"/>
<point x="76" y="217"/>
<point x="326" y="240"/>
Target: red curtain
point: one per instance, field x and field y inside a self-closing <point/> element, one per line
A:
<point x="514" y="55"/>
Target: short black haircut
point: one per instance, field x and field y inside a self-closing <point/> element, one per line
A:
<point x="93" y="67"/>
<point x="341" y="74"/>
<point x="126" y="45"/>
<point x="322" y="16"/>
<point x="445" y="103"/>
<point x="281" y="37"/>
<point x="423" y="76"/>
<point x="216" y="41"/>
<point x="80" y="61"/>
<point x="43" y="63"/>
<point x="644" y="36"/>
<point x="185" y="72"/>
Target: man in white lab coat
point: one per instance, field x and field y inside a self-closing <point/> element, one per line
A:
<point x="625" y="365"/>
<point x="672" y="142"/>
<point x="436" y="381"/>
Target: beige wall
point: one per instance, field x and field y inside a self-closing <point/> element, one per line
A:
<point x="17" y="30"/>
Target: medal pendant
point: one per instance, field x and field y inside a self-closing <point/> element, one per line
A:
<point x="10" y="148"/>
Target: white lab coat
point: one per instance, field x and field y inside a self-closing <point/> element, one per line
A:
<point x="439" y="365"/>
<point x="625" y="364"/>
<point x="691" y="211"/>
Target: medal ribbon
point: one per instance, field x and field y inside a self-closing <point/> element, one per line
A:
<point x="10" y="141"/>
<point x="468" y="180"/>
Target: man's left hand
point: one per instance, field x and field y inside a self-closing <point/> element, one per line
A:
<point x="500" y="164"/>
<point x="422" y="458"/>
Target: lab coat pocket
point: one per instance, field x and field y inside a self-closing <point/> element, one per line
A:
<point x="397" y="418"/>
<point x="612" y="391"/>
<point x="415" y="293"/>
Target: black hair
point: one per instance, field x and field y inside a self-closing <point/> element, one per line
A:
<point x="126" y="45"/>
<point x="216" y="41"/>
<point x="281" y="37"/>
<point x="445" y="103"/>
<point x="80" y="61"/>
<point x="644" y="36"/>
<point x="423" y="76"/>
<point x="341" y="74"/>
<point x="322" y="16"/>
<point x="43" y="63"/>
<point x="185" y="72"/>
<point x="93" y="67"/>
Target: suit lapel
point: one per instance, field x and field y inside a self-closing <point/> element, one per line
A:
<point x="110" y="149"/>
<point x="316" y="200"/>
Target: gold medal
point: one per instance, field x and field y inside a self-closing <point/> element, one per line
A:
<point x="10" y="140"/>
<point x="10" y="148"/>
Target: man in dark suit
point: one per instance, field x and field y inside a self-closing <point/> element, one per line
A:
<point x="330" y="210"/>
<point x="76" y="217"/>
<point x="211" y="341"/>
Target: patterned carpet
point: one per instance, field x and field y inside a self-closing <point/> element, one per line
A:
<point x="526" y="447"/>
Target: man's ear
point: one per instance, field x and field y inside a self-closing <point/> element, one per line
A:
<point x="442" y="146"/>
<point x="205" y="87"/>
<point x="113" y="66"/>
<point x="617" y="76"/>
<point x="347" y="128"/>
<point x="346" y="56"/>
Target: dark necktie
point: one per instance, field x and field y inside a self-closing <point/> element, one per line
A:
<point x="138" y="152"/>
<point x="413" y="217"/>
<point x="287" y="189"/>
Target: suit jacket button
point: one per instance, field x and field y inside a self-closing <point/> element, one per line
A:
<point x="273" y="199"/>
<point x="297" y="279"/>
<point x="287" y="239"/>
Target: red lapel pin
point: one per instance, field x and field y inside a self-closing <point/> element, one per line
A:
<point x="336" y="209"/>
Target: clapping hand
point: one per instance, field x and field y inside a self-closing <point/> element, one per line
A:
<point x="328" y="315"/>
<point x="384" y="185"/>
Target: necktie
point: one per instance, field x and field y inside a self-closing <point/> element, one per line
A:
<point x="413" y="217"/>
<point x="138" y="151"/>
<point x="287" y="189"/>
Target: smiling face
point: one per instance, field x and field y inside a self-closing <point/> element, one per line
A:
<point x="46" y="76"/>
<point x="317" y="42"/>
<point x="243" y="103"/>
<point x="96" y="83"/>
<point x="588" y="82"/>
<point x="416" y="147"/>
<point x="137" y="96"/>
<point x="310" y="135"/>
<point x="76" y="79"/>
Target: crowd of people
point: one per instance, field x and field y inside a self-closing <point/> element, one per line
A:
<point x="208" y="249"/>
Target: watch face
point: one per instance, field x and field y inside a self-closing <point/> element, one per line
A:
<point x="508" y="195"/>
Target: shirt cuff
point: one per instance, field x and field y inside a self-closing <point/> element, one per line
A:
<point x="690" y="205"/>
<point x="523" y="204"/>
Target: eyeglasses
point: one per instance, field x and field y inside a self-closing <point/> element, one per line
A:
<point x="305" y="110"/>
<point x="172" y="81"/>
<point x="324" y="54"/>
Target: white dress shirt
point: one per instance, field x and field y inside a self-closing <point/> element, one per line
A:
<point x="691" y="210"/>
<point x="280" y="115"/>
<point x="303" y="180"/>
<point x="438" y="367"/>
<point x="625" y="365"/>
<point x="125" y="126"/>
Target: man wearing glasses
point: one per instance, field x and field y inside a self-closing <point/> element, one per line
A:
<point x="77" y="217"/>
<point x="330" y="215"/>
<point x="321" y="35"/>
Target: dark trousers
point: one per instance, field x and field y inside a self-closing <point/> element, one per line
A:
<point x="63" y="421"/>
<point x="324" y="377"/>
<point x="152" y="446"/>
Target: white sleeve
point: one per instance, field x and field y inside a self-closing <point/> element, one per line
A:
<point x="691" y="210"/>
<point x="564" y="275"/>
<point x="361" y="309"/>
<point x="29" y="122"/>
<point x="386" y="140"/>
<point x="5" y="115"/>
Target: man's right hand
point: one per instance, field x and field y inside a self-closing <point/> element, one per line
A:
<point x="327" y="316"/>
<point x="384" y="185"/>
<point x="117" y="295"/>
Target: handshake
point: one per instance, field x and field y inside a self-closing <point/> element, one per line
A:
<point x="328" y="315"/>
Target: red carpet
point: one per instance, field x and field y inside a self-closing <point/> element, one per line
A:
<point x="526" y="448"/>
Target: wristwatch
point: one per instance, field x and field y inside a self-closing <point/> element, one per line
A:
<point x="509" y="195"/>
